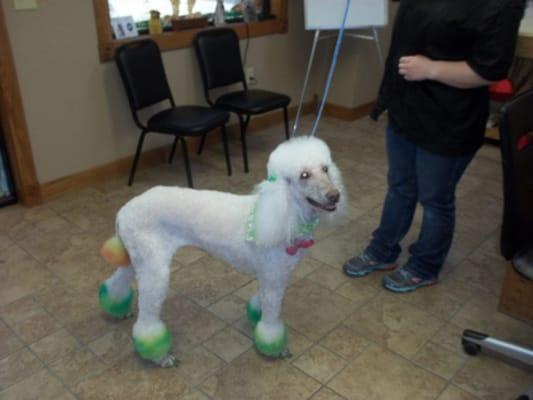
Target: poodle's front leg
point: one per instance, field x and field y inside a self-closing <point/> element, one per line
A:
<point x="270" y="335"/>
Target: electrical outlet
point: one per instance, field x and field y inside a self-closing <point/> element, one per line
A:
<point x="250" y="76"/>
<point x="25" y="4"/>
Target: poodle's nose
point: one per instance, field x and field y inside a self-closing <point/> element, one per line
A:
<point x="333" y="196"/>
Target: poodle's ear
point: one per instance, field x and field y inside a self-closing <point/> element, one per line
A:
<point x="336" y="178"/>
<point x="275" y="217"/>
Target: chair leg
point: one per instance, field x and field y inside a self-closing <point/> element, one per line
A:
<point x="136" y="158"/>
<point x="286" y="120"/>
<point x="226" y="150"/>
<point x="186" y="160"/>
<point x="201" y="145"/>
<point x="173" y="151"/>
<point x="244" y="125"/>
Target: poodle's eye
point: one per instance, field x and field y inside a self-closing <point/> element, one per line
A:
<point x="325" y="169"/>
<point x="305" y="175"/>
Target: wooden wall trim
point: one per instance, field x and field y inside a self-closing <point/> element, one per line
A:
<point x="347" y="114"/>
<point x="14" y="124"/>
<point x="150" y="158"/>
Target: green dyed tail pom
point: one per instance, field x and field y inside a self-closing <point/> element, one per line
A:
<point x="274" y="348"/>
<point x="253" y="314"/>
<point x="153" y="348"/>
<point x="115" y="308"/>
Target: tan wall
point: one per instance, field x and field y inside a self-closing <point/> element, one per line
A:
<point x="76" y="109"/>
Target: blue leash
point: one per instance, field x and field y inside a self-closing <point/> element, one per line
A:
<point x="331" y="69"/>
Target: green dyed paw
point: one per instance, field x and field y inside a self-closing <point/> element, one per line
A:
<point x="153" y="348"/>
<point x="118" y="308"/>
<point x="253" y="313"/>
<point x="271" y="341"/>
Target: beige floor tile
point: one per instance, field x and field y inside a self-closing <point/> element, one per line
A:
<point x="56" y="346"/>
<point x="21" y="276"/>
<point x="229" y="308"/>
<point x="196" y="395"/>
<point x="454" y="393"/>
<point x="207" y="280"/>
<point x="482" y="271"/>
<point x="442" y="300"/>
<point x="359" y="291"/>
<point x="326" y="394"/>
<point x="344" y="342"/>
<point x="480" y="314"/>
<point x="320" y="363"/>
<point x="449" y="337"/>
<point x="132" y="379"/>
<point x="251" y="376"/>
<point x="313" y="310"/>
<point x="440" y="361"/>
<point x="189" y="324"/>
<point x="112" y="346"/>
<point x="491" y="379"/>
<point x="29" y="320"/>
<point x="9" y="342"/>
<point x="248" y="290"/>
<point x="228" y="344"/>
<point x="399" y="326"/>
<point x="65" y="304"/>
<point x="307" y="266"/>
<point x="39" y="386"/>
<point x="380" y="374"/>
<point x="94" y="324"/>
<point x="17" y="367"/>
<point x="76" y="367"/>
<point x="198" y="365"/>
<point x="328" y="277"/>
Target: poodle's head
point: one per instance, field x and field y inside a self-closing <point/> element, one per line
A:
<point x="303" y="183"/>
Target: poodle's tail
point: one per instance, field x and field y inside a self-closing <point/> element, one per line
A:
<point x="114" y="252"/>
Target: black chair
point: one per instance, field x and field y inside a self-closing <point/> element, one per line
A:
<point x="516" y="137"/>
<point x="143" y="74"/>
<point x="219" y="57"/>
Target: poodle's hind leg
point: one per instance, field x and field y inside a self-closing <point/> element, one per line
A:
<point x="116" y="295"/>
<point x="270" y="335"/>
<point x="253" y="309"/>
<point x="151" y="337"/>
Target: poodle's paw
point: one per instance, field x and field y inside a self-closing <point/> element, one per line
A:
<point x="253" y="311"/>
<point x="271" y="339"/>
<point x="118" y="307"/>
<point x="153" y="343"/>
<point x="168" y="361"/>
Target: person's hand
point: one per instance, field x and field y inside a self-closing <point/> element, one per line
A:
<point x="416" y="68"/>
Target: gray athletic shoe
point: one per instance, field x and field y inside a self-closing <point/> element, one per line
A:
<point x="364" y="264"/>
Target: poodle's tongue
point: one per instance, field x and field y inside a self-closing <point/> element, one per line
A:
<point x="300" y="244"/>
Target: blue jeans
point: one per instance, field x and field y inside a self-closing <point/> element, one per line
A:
<point x="416" y="175"/>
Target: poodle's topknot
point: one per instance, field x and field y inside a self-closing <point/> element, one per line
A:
<point x="293" y="155"/>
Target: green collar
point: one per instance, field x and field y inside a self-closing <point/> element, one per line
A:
<point x="305" y="230"/>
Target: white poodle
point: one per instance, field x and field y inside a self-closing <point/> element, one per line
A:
<point x="264" y="234"/>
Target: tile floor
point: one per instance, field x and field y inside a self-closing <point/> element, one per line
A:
<point x="350" y="339"/>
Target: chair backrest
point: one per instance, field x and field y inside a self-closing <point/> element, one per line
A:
<point x="219" y="57"/>
<point x="142" y="72"/>
<point x="516" y="131"/>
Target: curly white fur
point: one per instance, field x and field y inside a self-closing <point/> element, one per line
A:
<point x="155" y="224"/>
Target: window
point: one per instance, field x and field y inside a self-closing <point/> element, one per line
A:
<point x="170" y="39"/>
<point x="140" y="9"/>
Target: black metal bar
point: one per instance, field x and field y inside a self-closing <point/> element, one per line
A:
<point x="137" y="156"/>
<point x="186" y="160"/>
<point x="244" y="125"/>
<point x="173" y="151"/>
<point x="286" y="120"/>
<point x="226" y="149"/>
<point x="201" y="145"/>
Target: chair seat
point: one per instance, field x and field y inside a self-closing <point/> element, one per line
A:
<point x="187" y="120"/>
<point x="253" y="101"/>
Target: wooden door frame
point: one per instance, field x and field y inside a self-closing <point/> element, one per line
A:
<point x="14" y="125"/>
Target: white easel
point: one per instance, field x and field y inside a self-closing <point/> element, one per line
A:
<point x="325" y="15"/>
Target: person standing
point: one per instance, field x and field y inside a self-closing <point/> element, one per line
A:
<point x="443" y="56"/>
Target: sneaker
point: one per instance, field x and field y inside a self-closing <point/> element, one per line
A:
<point x="364" y="264"/>
<point x="402" y="281"/>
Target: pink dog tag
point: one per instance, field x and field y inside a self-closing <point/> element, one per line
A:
<point x="300" y="244"/>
